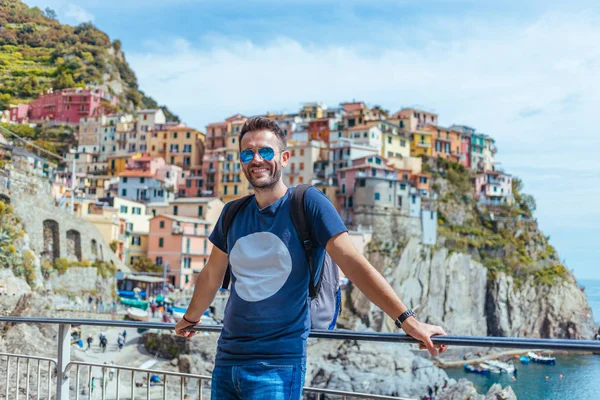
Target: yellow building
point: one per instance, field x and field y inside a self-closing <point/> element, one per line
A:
<point x="233" y="183"/>
<point x="312" y="111"/>
<point x="138" y="247"/>
<point x="420" y="143"/>
<point x="116" y="164"/>
<point x="178" y="145"/>
<point x="394" y="140"/>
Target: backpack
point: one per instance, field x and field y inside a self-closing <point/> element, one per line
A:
<point x="324" y="285"/>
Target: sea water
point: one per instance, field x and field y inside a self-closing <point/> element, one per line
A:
<point x="580" y="374"/>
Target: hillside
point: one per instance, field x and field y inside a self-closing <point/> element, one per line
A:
<point x="37" y="53"/>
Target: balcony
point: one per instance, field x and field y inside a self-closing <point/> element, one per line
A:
<point x="425" y="145"/>
<point x="75" y="376"/>
<point x="176" y="230"/>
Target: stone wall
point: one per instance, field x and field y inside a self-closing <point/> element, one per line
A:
<point x="45" y="223"/>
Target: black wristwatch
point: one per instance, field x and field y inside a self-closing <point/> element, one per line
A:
<point x="403" y="317"/>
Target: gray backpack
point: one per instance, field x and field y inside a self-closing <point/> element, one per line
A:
<point x="324" y="286"/>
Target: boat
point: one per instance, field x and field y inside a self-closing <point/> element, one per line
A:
<point x="524" y="360"/>
<point x="538" y="358"/>
<point x="137" y="314"/>
<point x="476" y="370"/>
<point x="492" y="370"/>
<point x="134" y="303"/>
<point x="508" y="368"/>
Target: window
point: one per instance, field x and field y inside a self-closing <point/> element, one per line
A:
<point x="324" y="190"/>
<point x="123" y="209"/>
<point x="162" y="223"/>
<point x="342" y="175"/>
<point x="159" y="261"/>
<point x="172" y="160"/>
<point x="199" y="211"/>
<point x="399" y="201"/>
<point x="366" y="134"/>
<point x="343" y="188"/>
<point x="373" y="172"/>
<point x="188" y="135"/>
<point x="136" y="240"/>
<point x="301" y="179"/>
<point x="174" y="135"/>
<point x="403" y="186"/>
<point x="224" y="189"/>
<point x="235" y="189"/>
<point x="293" y="152"/>
<point x="391" y="183"/>
<point x="361" y="183"/>
<point x="302" y="166"/>
<point x="167" y="174"/>
<point x="389" y="140"/>
<point x="187" y="263"/>
<point x="161" y="242"/>
<point x="377" y="196"/>
<point x="142" y="180"/>
<point x="175" y="210"/>
<point x="136" y="211"/>
<point x="123" y="192"/>
<point x="414" y="199"/>
<point x="124" y="178"/>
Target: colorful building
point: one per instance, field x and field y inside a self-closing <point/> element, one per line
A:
<point x="413" y="119"/>
<point x="205" y="208"/>
<point x="318" y="129"/>
<point x="447" y="143"/>
<point x="420" y="143"/>
<point x="137" y="224"/>
<point x="301" y="164"/>
<point x="370" y="166"/>
<point x="181" y="245"/>
<point x="178" y="145"/>
<point x="67" y="106"/>
<point x="494" y="188"/>
<point x="312" y="111"/>
<point x="394" y="140"/>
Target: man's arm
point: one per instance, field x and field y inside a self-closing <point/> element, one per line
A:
<point x="208" y="282"/>
<point x="358" y="269"/>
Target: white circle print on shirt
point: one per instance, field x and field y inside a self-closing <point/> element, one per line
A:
<point x="261" y="264"/>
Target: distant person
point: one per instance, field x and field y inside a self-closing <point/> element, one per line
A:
<point x="120" y="342"/>
<point x="111" y="371"/>
<point x="91" y="302"/>
<point x="124" y="335"/>
<point x="263" y="358"/>
<point x="89" y="341"/>
<point x="153" y="308"/>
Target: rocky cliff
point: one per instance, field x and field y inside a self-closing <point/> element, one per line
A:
<point x="453" y="290"/>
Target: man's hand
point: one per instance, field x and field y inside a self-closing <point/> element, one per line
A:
<point x="181" y="325"/>
<point x="423" y="332"/>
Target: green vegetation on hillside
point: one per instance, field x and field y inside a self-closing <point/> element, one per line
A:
<point x="57" y="139"/>
<point x="37" y="53"/>
<point x="506" y="239"/>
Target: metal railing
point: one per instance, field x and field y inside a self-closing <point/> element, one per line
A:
<point x="54" y="380"/>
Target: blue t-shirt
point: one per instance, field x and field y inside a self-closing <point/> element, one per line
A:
<point x="267" y="316"/>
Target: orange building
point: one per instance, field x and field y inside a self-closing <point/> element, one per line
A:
<point x="318" y="129"/>
<point x="181" y="245"/>
<point x="446" y="143"/>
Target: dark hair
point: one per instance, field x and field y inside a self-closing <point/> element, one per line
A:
<point x="261" y="124"/>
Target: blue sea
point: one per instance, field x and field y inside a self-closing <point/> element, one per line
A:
<point x="581" y="374"/>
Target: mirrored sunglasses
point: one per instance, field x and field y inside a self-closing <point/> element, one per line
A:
<point x="266" y="153"/>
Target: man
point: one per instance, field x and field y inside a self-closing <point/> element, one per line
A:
<point x="262" y="349"/>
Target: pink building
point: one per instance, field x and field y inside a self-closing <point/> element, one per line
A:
<point x="494" y="188"/>
<point x="181" y="245"/>
<point x="369" y="166"/>
<point x="67" y="106"/>
<point x="19" y="113"/>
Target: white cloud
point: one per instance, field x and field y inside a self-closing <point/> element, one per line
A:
<point x="78" y="13"/>
<point x="534" y="88"/>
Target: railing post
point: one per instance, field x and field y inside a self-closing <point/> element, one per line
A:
<point x="64" y="358"/>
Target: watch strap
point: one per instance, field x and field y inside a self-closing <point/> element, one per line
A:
<point x="406" y="314"/>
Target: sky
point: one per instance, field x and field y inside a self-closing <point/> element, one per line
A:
<point x="526" y="74"/>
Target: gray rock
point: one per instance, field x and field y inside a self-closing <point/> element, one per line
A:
<point x="497" y="393"/>
<point x="461" y="390"/>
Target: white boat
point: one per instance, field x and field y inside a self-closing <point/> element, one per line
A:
<point x="509" y="368"/>
<point x="137" y="314"/>
<point x="488" y="367"/>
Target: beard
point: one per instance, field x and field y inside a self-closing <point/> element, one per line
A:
<point x="267" y="180"/>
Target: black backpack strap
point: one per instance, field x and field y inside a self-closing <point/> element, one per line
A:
<point x="304" y="232"/>
<point x="228" y="217"/>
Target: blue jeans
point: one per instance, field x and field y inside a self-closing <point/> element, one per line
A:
<point x="258" y="381"/>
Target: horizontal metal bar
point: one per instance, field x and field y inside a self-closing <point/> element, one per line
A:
<point x="356" y="395"/>
<point x="150" y="371"/>
<point x="28" y="357"/>
<point x="477" y="341"/>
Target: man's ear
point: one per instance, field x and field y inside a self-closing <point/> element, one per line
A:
<point x="285" y="157"/>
